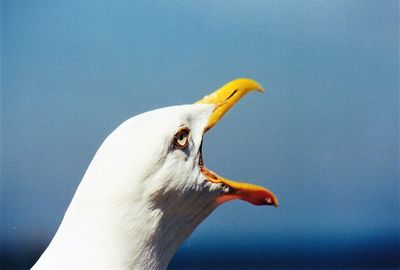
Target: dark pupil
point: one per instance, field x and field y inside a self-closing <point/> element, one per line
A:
<point x="182" y="136"/>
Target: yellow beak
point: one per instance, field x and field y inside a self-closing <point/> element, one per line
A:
<point x="223" y="99"/>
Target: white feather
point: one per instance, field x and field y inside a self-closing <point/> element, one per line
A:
<point x="140" y="197"/>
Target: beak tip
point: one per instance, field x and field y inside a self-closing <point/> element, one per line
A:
<point x="251" y="84"/>
<point x="273" y="201"/>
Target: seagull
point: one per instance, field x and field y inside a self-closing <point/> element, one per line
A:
<point x="147" y="189"/>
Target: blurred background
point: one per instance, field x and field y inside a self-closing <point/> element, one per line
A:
<point x="324" y="137"/>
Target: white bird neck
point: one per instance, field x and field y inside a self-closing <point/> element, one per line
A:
<point x="135" y="234"/>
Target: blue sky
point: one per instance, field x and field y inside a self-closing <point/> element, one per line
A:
<point x="324" y="137"/>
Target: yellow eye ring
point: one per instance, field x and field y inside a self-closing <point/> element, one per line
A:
<point x="181" y="138"/>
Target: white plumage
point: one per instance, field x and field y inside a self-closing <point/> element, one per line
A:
<point x="143" y="194"/>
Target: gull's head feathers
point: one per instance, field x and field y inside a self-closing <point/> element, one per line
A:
<point x="147" y="189"/>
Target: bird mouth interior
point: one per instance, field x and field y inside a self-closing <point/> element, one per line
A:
<point x="209" y="174"/>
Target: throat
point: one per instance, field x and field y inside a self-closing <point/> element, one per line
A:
<point x="174" y="220"/>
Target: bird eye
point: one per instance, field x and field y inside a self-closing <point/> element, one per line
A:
<point x="181" y="138"/>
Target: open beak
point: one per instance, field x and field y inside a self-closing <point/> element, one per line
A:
<point x="223" y="99"/>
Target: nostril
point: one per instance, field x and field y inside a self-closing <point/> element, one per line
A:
<point x="231" y="95"/>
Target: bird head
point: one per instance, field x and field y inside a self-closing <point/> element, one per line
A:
<point x="159" y="153"/>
